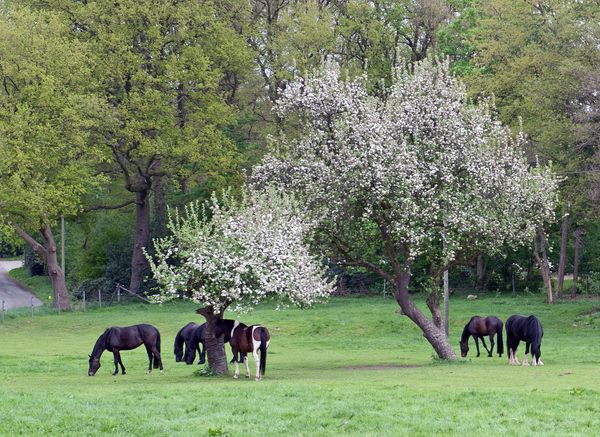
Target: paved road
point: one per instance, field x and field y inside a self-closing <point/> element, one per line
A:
<point x="13" y="295"/>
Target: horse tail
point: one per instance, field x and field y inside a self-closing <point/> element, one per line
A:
<point x="263" y="350"/>
<point x="156" y="359"/>
<point x="178" y="346"/>
<point x="499" y="340"/>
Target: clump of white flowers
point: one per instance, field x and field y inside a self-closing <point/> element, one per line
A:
<point x="436" y="170"/>
<point x="237" y="252"/>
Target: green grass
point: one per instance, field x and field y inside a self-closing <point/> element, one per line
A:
<point x="39" y="285"/>
<point x="353" y="367"/>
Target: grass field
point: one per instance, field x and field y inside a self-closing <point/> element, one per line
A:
<point x="353" y="367"/>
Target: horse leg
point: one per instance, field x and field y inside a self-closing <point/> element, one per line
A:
<point x="117" y="357"/>
<point x="485" y="346"/>
<point x="477" y="344"/>
<point x="491" y="345"/>
<point x="200" y="356"/>
<point x="150" y="355"/>
<point x="257" y="361"/>
<point x="247" y="366"/>
<point x="157" y="357"/>
<point x="237" y="367"/>
<point x="525" y="361"/>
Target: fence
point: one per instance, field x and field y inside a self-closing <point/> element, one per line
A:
<point x="96" y="299"/>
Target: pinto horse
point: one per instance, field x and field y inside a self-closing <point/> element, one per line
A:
<point x="194" y="338"/>
<point x="116" y="339"/>
<point x="246" y="339"/>
<point x="478" y="327"/>
<point x="528" y="329"/>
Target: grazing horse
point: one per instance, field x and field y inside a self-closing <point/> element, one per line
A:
<point x="194" y="338"/>
<point x="478" y="327"/>
<point x="116" y="339"/>
<point x="246" y="339"/>
<point x="184" y="336"/>
<point x="528" y="329"/>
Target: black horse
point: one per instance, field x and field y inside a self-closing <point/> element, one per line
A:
<point x="193" y="336"/>
<point x="246" y="339"/>
<point x="116" y="339"/>
<point x="528" y="329"/>
<point x="478" y="327"/>
<point x="184" y="336"/>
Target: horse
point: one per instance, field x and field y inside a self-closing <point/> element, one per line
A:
<point x="478" y="327"/>
<point x="528" y="329"/>
<point x="246" y="339"/>
<point x="116" y="339"/>
<point x="184" y="336"/>
<point x="194" y="338"/>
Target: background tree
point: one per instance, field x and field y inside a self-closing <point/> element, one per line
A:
<point x="161" y="67"/>
<point x="49" y="113"/>
<point x="237" y="253"/>
<point x="422" y="173"/>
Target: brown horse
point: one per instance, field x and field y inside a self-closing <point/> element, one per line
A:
<point x="478" y="327"/>
<point x="246" y="339"/>
<point x="116" y="339"/>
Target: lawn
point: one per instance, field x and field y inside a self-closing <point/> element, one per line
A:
<point x="353" y="366"/>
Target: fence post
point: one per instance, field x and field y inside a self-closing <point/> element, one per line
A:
<point x="31" y="306"/>
<point x="2" y="310"/>
<point x="384" y="286"/>
<point x="58" y="301"/>
<point x="118" y="293"/>
<point x="84" y="301"/>
<point x="100" y="298"/>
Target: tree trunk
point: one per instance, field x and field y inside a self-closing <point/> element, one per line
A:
<point x="160" y="207"/>
<point x="480" y="285"/>
<point x="563" y="255"/>
<point x="435" y="335"/>
<point x="48" y="253"/>
<point x="541" y="257"/>
<point x="578" y="234"/>
<point x="139" y="264"/>
<point x="215" y="348"/>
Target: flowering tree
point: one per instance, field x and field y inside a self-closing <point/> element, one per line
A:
<point x="236" y="253"/>
<point x="421" y="172"/>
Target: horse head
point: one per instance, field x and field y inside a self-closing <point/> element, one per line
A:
<point x="464" y="348"/>
<point x="94" y="365"/>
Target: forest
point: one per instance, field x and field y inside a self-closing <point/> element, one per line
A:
<point x="114" y="114"/>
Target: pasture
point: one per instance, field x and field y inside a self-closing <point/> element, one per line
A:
<point x="353" y="367"/>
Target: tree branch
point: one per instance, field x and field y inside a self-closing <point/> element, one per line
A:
<point x="103" y="207"/>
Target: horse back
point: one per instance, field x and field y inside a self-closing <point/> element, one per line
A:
<point x="131" y="337"/>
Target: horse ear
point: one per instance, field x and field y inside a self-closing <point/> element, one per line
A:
<point x="90" y="356"/>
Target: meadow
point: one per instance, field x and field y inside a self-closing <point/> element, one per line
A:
<point x="353" y="366"/>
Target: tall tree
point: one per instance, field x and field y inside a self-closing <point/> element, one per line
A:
<point x="48" y="127"/>
<point x="422" y="173"/>
<point x="235" y="254"/>
<point x="161" y="66"/>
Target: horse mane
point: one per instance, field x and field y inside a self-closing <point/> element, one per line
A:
<point x="465" y="334"/>
<point x="101" y="345"/>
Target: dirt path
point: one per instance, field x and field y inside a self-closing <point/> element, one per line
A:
<point x="13" y="294"/>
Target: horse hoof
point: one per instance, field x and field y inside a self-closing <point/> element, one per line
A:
<point x="162" y="371"/>
<point x="257" y="378"/>
<point x="235" y="377"/>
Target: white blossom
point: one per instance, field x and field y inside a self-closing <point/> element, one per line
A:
<point x="238" y="253"/>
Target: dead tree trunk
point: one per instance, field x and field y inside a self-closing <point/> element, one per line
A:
<point x="215" y="348"/>
<point x="563" y="255"/>
<point x="578" y="234"/>
<point x="541" y="257"/>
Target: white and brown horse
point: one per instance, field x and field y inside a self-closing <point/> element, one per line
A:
<point x="246" y="339"/>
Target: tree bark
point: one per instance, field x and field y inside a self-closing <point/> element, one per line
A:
<point x="48" y="252"/>
<point x="139" y="264"/>
<point x="435" y="335"/>
<point x="563" y="255"/>
<point x="215" y="348"/>
<point x="578" y="234"/>
<point x="480" y="272"/>
<point x="541" y="257"/>
<point x="160" y="207"/>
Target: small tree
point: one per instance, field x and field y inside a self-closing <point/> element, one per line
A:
<point x="237" y="253"/>
<point x="421" y="172"/>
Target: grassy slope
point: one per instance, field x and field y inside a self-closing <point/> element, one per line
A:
<point x="353" y="366"/>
